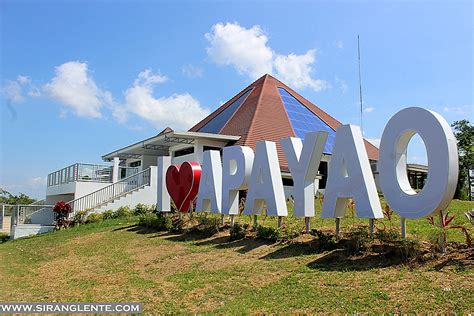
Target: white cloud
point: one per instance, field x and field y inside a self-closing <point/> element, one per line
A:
<point x="13" y="90"/>
<point x="339" y="44"/>
<point x="75" y="89"/>
<point x="296" y="70"/>
<point x="245" y="49"/>
<point x="369" y="109"/>
<point x="191" y="71"/>
<point x="374" y="141"/>
<point x="37" y="181"/>
<point x="248" y="52"/>
<point x="180" y="111"/>
<point x="461" y="110"/>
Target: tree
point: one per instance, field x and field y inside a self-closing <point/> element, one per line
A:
<point x="8" y="198"/>
<point x="464" y="132"/>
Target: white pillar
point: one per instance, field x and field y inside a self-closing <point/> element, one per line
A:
<point x="163" y="201"/>
<point x="115" y="170"/>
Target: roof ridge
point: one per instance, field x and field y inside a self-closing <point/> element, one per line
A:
<point x="252" y="122"/>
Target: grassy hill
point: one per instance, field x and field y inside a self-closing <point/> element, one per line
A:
<point x="115" y="260"/>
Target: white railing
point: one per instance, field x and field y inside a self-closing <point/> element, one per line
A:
<point x="81" y="172"/>
<point x="111" y="192"/>
<point x="22" y="213"/>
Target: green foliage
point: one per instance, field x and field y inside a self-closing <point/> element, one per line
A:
<point x="326" y="241"/>
<point x="8" y="198"/>
<point x="123" y="211"/>
<point x="358" y="239"/>
<point x="207" y="226"/>
<point x="238" y="231"/>
<point x="387" y="235"/>
<point x="408" y="249"/>
<point x="155" y="221"/>
<point x="94" y="218"/>
<point x="80" y="217"/>
<point x="4" y="237"/>
<point x="140" y="209"/>
<point x="177" y="224"/>
<point x="109" y="214"/>
<point x="268" y="233"/>
<point x="464" y="132"/>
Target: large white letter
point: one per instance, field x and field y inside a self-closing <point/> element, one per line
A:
<point x="265" y="185"/>
<point x="443" y="165"/>
<point x="350" y="176"/>
<point x="237" y="166"/>
<point x="303" y="161"/>
<point x="163" y="202"/>
<point x="209" y="198"/>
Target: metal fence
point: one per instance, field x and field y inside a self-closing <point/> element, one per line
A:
<point x="81" y="172"/>
<point x="23" y="214"/>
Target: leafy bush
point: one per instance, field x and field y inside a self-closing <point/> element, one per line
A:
<point x="155" y="221"/>
<point x="358" y="239"/>
<point x="207" y="226"/>
<point x="140" y="209"/>
<point x="238" y="231"/>
<point x="94" y="218"/>
<point x="80" y="217"/>
<point x="109" y="214"/>
<point x="268" y="233"/>
<point x="4" y="237"/>
<point x="123" y="211"/>
<point x="177" y="224"/>
<point x="325" y="241"/>
<point x="387" y="235"/>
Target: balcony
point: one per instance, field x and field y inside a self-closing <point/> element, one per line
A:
<point x="87" y="173"/>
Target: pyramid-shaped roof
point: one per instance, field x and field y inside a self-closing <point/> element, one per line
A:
<point x="269" y="110"/>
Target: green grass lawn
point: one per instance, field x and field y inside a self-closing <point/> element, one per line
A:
<point x="115" y="260"/>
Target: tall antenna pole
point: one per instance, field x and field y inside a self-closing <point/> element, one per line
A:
<point x="360" y="88"/>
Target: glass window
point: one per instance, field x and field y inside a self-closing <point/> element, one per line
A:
<point x="304" y="121"/>
<point x="217" y="123"/>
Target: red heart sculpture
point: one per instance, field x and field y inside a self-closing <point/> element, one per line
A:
<point x="183" y="183"/>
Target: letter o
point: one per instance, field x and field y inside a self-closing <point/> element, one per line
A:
<point x="442" y="156"/>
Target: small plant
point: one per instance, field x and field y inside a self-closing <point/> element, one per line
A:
<point x="238" y="231"/>
<point x="177" y="224"/>
<point x="4" y="237"/>
<point x="207" y="226"/>
<point x="445" y="224"/>
<point x="123" y="211"/>
<point x="80" y="217"/>
<point x="408" y="249"/>
<point x="387" y="235"/>
<point x="268" y="233"/>
<point x="140" y="209"/>
<point x="358" y="239"/>
<point x="326" y="241"/>
<point x="109" y="214"/>
<point x="157" y="222"/>
<point x="61" y="213"/>
<point x="94" y="218"/>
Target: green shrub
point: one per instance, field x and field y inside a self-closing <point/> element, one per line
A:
<point x="238" y="231"/>
<point x="123" y="211"/>
<point x="387" y="235"/>
<point x="207" y="226"/>
<point x="94" y="218"/>
<point x="140" y="209"/>
<point x="326" y="241"/>
<point x="4" y="237"/>
<point x="109" y="214"/>
<point x="156" y="221"/>
<point x="358" y="239"/>
<point x="80" y="217"/>
<point x="177" y="224"/>
<point x="268" y="233"/>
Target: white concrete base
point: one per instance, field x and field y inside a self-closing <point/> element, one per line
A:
<point x="24" y="230"/>
<point x="145" y="195"/>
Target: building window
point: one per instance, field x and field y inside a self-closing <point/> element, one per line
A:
<point x="204" y="148"/>
<point x="182" y="152"/>
<point x="135" y="164"/>
<point x="288" y="182"/>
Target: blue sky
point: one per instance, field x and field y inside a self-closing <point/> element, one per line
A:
<point x="82" y="78"/>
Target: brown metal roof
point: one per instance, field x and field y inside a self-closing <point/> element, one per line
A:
<point x="262" y="116"/>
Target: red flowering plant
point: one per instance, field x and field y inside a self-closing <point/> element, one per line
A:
<point x="61" y="213"/>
